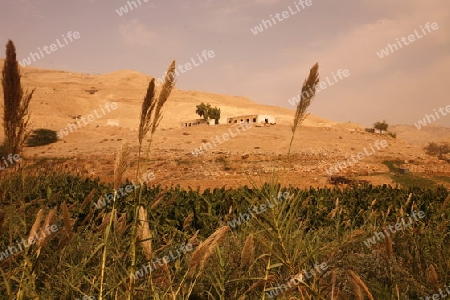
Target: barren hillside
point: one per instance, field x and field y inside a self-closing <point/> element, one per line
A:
<point x="62" y="96"/>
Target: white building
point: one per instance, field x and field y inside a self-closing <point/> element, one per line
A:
<point x="194" y="122"/>
<point x="264" y="119"/>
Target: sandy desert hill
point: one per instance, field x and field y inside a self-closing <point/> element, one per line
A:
<point x="319" y="144"/>
<point x="63" y="94"/>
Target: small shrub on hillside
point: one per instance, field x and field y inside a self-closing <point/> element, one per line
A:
<point x="381" y="126"/>
<point x="42" y="137"/>
<point x="438" y="149"/>
<point x="392" y="134"/>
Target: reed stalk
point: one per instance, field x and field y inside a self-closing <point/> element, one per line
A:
<point x="307" y="95"/>
<point x="151" y="115"/>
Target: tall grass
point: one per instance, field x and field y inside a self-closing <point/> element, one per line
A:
<point x="151" y="115"/>
<point x="307" y="95"/>
<point x="16" y="102"/>
<point x="120" y="167"/>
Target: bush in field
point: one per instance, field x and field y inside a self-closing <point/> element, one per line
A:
<point x="437" y="149"/>
<point x="381" y="126"/>
<point x="392" y="134"/>
<point x="42" y="137"/>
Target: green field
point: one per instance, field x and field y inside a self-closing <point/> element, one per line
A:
<point x="255" y="259"/>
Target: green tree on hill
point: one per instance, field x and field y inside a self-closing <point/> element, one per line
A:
<point x="381" y="126"/>
<point x="214" y="113"/>
<point x="203" y="110"/>
<point x="207" y="112"/>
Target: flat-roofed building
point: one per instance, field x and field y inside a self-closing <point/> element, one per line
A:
<point x="258" y="119"/>
<point x="194" y="122"/>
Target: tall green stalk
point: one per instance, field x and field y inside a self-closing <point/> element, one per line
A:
<point x="119" y="169"/>
<point x="105" y="245"/>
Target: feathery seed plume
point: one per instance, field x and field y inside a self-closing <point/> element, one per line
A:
<point x="164" y="94"/>
<point x="361" y="283"/>
<point x="120" y="165"/>
<point x="206" y="249"/>
<point x="146" y="112"/>
<point x="144" y="233"/>
<point x="36" y="225"/>
<point x="307" y="95"/>
<point x="248" y="251"/>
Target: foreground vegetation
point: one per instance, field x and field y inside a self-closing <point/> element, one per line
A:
<point x="304" y="229"/>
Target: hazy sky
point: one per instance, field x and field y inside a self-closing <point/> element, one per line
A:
<point x="268" y="67"/>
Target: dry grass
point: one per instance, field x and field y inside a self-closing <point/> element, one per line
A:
<point x="122" y="223"/>
<point x="358" y="293"/>
<point x="432" y="276"/>
<point x="333" y="284"/>
<point x="144" y="233"/>
<point x="206" y="249"/>
<point x="121" y="164"/>
<point x="389" y="249"/>
<point x="247" y="253"/>
<point x="446" y="202"/>
<point x="148" y="106"/>
<point x="188" y="220"/>
<point x="166" y="90"/>
<point x="37" y="223"/>
<point x="194" y="239"/>
<point x="151" y="112"/>
<point x="88" y="199"/>
<point x="16" y="103"/>
<point x="156" y="202"/>
<point x="361" y="284"/>
<point x="307" y="95"/>
<point x="120" y="167"/>
<point x="67" y="222"/>
<point x="151" y="115"/>
<point x="49" y="220"/>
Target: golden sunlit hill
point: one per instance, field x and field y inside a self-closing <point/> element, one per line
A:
<point x="63" y="98"/>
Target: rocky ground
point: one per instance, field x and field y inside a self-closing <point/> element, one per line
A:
<point x="252" y="156"/>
